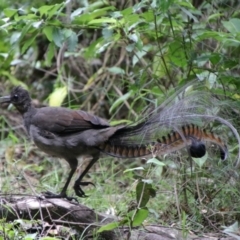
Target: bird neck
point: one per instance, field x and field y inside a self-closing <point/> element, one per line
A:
<point x="28" y="115"/>
<point x="25" y="107"/>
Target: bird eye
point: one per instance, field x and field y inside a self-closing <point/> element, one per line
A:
<point x="15" y="97"/>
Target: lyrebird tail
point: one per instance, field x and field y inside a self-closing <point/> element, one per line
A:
<point x="179" y="122"/>
<point x="190" y="136"/>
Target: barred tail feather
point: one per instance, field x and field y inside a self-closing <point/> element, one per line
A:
<point x="188" y="136"/>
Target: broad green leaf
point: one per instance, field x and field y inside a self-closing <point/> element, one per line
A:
<point x="231" y="42"/>
<point x="148" y="16"/>
<point x="82" y="19"/>
<point x="108" y="227"/>
<point x="67" y="33"/>
<point x="130" y="47"/>
<point x="163" y="4"/>
<point x="215" y="16"/>
<point x="219" y="36"/>
<point x="121" y="100"/>
<point x="143" y="193"/>
<point x="127" y="11"/>
<point x="232" y="230"/>
<point x="201" y="161"/>
<point x="48" y="31"/>
<point x="107" y="33"/>
<point x="233" y="25"/>
<point x="140" y="216"/>
<point x="176" y="54"/>
<point x="56" y="98"/>
<point x="72" y="42"/>
<point x="215" y="58"/>
<point x="157" y="91"/>
<point x="58" y="37"/>
<point x="50" y="10"/>
<point x="9" y="12"/>
<point x="132" y="19"/>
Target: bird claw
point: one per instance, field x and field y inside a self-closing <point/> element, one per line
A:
<point x="61" y="195"/>
<point x="78" y="190"/>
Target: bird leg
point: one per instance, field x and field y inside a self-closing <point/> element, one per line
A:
<point x="78" y="190"/>
<point x="73" y="165"/>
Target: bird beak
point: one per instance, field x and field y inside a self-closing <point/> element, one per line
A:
<point x="6" y="99"/>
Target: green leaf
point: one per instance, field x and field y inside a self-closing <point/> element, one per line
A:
<point x="37" y="24"/>
<point x="9" y="12"/>
<point x="58" y="37"/>
<point x="48" y="31"/>
<point x="28" y="42"/>
<point x="233" y="25"/>
<point x="56" y="98"/>
<point x="108" y="227"/>
<point x="67" y="33"/>
<point x="215" y="58"/>
<point x="50" y="10"/>
<point x="89" y="16"/>
<point x="24" y="31"/>
<point x="76" y="12"/>
<point x="121" y="100"/>
<point x="140" y="216"/>
<point x="143" y="193"/>
<point x="177" y="54"/>
<point x="156" y="162"/>
<point x="31" y="236"/>
<point x="148" y="181"/>
<point x="50" y="54"/>
<point x="107" y="33"/>
<point x="201" y="161"/>
<point x="14" y="81"/>
<point x="133" y="169"/>
<point x="232" y="230"/>
<point x="139" y="54"/>
<point x="116" y="70"/>
<point x="121" y="121"/>
<point x="48" y="238"/>
<point x="126" y="12"/>
<point x="72" y="41"/>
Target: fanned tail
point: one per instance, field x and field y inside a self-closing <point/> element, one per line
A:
<point x="179" y="122"/>
<point x="189" y="136"/>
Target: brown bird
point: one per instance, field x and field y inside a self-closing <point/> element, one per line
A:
<point x="69" y="133"/>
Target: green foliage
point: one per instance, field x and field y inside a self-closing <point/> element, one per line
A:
<point x="117" y="60"/>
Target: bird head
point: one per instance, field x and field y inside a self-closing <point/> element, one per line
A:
<point x="19" y="97"/>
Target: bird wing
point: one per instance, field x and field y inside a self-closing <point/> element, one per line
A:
<point x="64" y="121"/>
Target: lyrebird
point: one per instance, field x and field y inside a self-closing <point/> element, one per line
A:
<point x="68" y="134"/>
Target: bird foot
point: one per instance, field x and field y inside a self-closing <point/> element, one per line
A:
<point x="78" y="190"/>
<point x="61" y="195"/>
